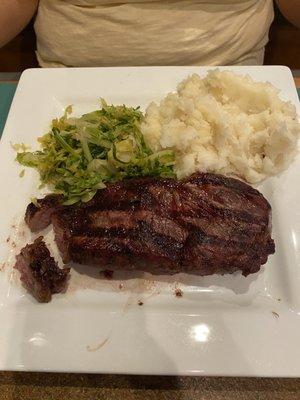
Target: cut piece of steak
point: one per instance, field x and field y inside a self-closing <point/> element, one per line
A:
<point x="205" y="224"/>
<point x="40" y="274"/>
<point x="38" y="215"/>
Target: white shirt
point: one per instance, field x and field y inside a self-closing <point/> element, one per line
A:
<point x="158" y="32"/>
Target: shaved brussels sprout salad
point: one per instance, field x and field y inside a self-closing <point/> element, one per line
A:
<point x="78" y="156"/>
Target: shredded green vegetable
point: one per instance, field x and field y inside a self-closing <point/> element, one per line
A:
<point x="79" y="155"/>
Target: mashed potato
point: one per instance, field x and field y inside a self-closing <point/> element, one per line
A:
<point x="224" y="123"/>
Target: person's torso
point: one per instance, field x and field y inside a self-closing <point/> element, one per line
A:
<point x="156" y="32"/>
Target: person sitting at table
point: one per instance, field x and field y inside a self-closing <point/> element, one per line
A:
<point x="85" y="33"/>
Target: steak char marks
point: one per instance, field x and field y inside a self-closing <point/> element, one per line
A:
<point x="205" y="224"/>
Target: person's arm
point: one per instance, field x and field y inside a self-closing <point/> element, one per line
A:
<point x="14" y="16"/>
<point x="291" y="10"/>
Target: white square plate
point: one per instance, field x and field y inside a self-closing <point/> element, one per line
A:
<point x="227" y="325"/>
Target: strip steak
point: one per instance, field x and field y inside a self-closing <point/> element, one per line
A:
<point x="206" y="224"/>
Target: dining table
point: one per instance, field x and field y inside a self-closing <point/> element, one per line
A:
<point x="23" y="385"/>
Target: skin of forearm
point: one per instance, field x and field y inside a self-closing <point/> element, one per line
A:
<point x="291" y="10"/>
<point x="14" y="16"/>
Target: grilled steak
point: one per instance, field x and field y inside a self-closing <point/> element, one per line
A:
<point x="38" y="215"/>
<point x="40" y="273"/>
<point x="205" y="224"/>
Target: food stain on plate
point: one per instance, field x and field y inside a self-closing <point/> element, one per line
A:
<point x="18" y="237"/>
<point x="99" y="346"/>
